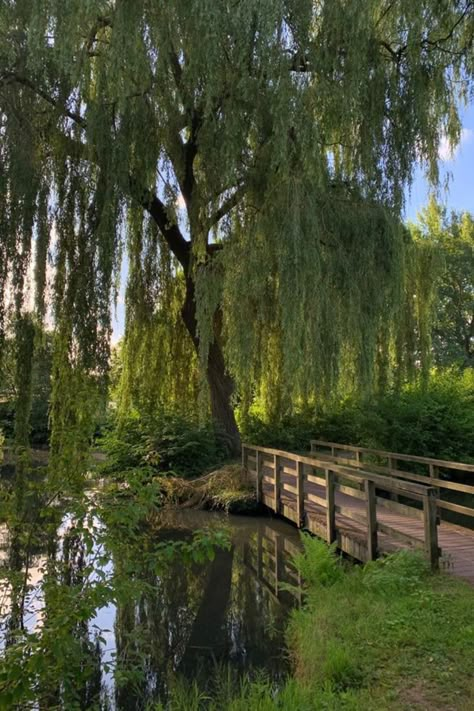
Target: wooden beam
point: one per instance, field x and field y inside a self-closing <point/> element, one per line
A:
<point x="461" y="466"/>
<point x="399" y="535"/>
<point x="371" y="519"/>
<point x="277" y="481"/>
<point x="330" y="506"/>
<point x="300" y="494"/>
<point x="431" y="530"/>
<point x="259" y="475"/>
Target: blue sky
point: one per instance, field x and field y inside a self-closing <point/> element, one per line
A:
<point x="459" y="196"/>
<point x="459" y="167"/>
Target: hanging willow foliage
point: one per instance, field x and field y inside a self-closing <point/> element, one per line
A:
<point x="254" y="154"/>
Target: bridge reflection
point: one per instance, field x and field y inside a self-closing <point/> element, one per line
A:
<point x="268" y="555"/>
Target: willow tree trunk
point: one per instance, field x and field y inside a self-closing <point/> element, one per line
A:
<point x="221" y="384"/>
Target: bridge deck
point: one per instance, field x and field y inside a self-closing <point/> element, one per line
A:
<point x="299" y="492"/>
<point x="457" y="543"/>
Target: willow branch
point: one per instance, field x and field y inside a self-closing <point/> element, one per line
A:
<point x="14" y="78"/>
<point x="226" y="207"/>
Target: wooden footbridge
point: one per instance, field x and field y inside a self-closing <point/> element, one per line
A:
<point x="371" y="502"/>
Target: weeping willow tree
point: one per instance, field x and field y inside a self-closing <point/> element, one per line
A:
<point x="250" y="159"/>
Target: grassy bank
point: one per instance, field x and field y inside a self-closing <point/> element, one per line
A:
<point x="387" y="636"/>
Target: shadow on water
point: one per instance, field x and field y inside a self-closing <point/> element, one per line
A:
<point x="186" y="620"/>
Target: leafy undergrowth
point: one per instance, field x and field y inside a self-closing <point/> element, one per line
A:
<point x="434" y="422"/>
<point x="387" y="636"/>
<point x="224" y="489"/>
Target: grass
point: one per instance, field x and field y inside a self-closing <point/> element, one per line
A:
<point x="388" y="636"/>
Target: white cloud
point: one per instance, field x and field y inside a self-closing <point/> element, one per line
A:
<point x="446" y="152"/>
<point x="180" y="202"/>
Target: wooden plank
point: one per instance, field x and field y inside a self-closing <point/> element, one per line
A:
<point x="316" y="527"/>
<point x="268" y="500"/>
<point x="396" y="507"/>
<point x="319" y="481"/>
<point x="446" y="464"/>
<point x="419" y="478"/>
<point x="431" y="531"/>
<point x="288" y="471"/>
<point x="399" y="535"/>
<point x="343" y="461"/>
<point x="347" y="512"/>
<point x="259" y="476"/>
<point x="316" y="500"/>
<point x="371" y="520"/>
<point x="382" y="482"/>
<point x="350" y="491"/>
<point x="289" y="513"/>
<point x="441" y="483"/>
<point x="465" y="510"/>
<point x="289" y="488"/>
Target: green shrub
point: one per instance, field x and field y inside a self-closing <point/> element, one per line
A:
<point x="168" y="443"/>
<point x="403" y="571"/>
<point x="436" y="422"/>
<point x="318" y="564"/>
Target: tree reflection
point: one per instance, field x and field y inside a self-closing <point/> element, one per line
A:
<point x="174" y="616"/>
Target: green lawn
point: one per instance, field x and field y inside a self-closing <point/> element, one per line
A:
<point x="386" y="636"/>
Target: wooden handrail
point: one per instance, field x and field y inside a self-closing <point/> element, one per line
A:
<point x="336" y="477"/>
<point x="400" y="487"/>
<point x="443" y="463"/>
<point x="391" y="470"/>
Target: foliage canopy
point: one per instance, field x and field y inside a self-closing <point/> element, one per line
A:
<point x="453" y="236"/>
<point x="250" y="158"/>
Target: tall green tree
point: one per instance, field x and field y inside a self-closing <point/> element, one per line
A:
<point x="453" y="328"/>
<point x="254" y="154"/>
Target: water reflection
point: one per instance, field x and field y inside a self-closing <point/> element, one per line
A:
<point x="157" y="624"/>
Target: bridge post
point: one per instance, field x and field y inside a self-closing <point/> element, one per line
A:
<point x="371" y="519"/>
<point x="300" y="494"/>
<point x="331" y="508"/>
<point x="431" y="530"/>
<point x="244" y="463"/>
<point x="277" y="481"/>
<point x="259" y="476"/>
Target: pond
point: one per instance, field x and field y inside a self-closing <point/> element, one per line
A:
<point x="194" y="620"/>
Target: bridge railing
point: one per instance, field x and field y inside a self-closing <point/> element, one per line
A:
<point x="345" y="506"/>
<point x="429" y="471"/>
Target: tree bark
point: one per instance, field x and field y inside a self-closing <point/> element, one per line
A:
<point x="221" y="384"/>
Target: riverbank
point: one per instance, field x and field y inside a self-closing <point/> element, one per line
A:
<point x="387" y="636"/>
<point x="225" y="489"/>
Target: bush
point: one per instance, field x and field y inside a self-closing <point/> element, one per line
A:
<point x="436" y="422"/>
<point x="318" y="564"/>
<point x="167" y="443"/>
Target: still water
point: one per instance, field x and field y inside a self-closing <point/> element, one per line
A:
<point x="190" y="620"/>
